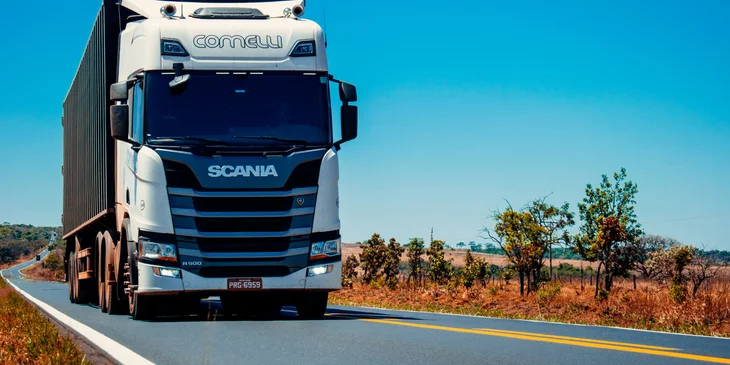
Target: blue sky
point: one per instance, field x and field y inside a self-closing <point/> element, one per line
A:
<point x="461" y="107"/>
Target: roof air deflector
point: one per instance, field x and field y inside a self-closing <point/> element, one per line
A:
<point x="228" y="13"/>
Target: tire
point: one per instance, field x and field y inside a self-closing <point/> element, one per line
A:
<point x="130" y="272"/>
<point x="144" y="307"/>
<point x="312" y="305"/>
<point x="84" y="289"/>
<point x="99" y="254"/>
<point x="114" y="304"/>
<point x="71" y="277"/>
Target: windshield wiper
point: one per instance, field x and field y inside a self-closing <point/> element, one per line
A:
<point x="271" y="138"/>
<point x="188" y="138"/>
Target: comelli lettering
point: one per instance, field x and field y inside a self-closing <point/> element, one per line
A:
<point x="237" y="41"/>
<point x="242" y="170"/>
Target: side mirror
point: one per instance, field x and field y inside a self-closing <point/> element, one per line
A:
<point x="348" y="92"/>
<point x="119" y="91"/>
<point x="119" y="122"/>
<point x="348" y="118"/>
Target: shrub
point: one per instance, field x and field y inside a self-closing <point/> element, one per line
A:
<point x="441" y="270"/>
<point x="391" y="263"/>
<point x="349" y="271"/>
<point x="372" y="258"/>
<point x="547" y="293"/>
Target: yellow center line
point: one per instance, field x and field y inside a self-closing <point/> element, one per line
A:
<point x="580" y="339"/>
<point x="557" y="340"/>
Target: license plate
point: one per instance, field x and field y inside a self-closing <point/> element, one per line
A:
<point x="245" y="284"/>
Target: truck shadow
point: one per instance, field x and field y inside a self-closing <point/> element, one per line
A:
<point x="213" y="311"/>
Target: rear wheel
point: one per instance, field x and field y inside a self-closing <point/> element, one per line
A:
<point x="84" y="289"/>
<point x="71" y="277"/>
<point x="312" y="305"/>
<point x="100" y="271"/>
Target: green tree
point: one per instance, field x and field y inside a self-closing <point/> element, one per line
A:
<point x="415" y="251"/>
<point x="610" y="231"/>
<point x="554" y="222"/>
<point x="372" y="258"/>
<point x="441" y="270"/>
<point x="461" y="245"/>
<point x="392" y="259"/>
<point x="519" y="236"/>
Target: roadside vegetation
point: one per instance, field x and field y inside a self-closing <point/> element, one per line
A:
<point x="20" y="242"/>
<point x="50" y="269"/>
<point x="27" y="337"/>
<point x="630" y="278"/>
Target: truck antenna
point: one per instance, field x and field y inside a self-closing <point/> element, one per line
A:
<point x="324" y="12"/>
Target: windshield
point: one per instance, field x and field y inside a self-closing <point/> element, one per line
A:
<point x="239" y="108"/>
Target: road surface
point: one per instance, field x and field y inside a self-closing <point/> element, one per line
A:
<point x="352" y="335"/>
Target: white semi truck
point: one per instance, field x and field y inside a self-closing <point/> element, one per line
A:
<point x="200" y="160"/>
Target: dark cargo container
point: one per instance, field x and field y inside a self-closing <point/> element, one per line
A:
<point x="88" y="149"/>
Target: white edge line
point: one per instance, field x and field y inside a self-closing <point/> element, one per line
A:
<point x="536" y="321"/>
<point x="111" y="347"/>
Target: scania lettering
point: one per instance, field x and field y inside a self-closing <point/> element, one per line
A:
<point x="166" y="202"/>
<point x="233" y="171"/>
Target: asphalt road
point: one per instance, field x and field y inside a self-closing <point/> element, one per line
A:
<point x="352" y="335"/>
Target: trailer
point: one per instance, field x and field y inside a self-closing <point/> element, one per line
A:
<point x="199" y="159"/>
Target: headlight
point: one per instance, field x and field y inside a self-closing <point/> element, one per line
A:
<point x="157" y="251"/>
<point x="303" y="48"/>
<point x="325" y="249"/>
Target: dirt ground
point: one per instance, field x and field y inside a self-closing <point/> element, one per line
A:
<point x="458" y="256"/>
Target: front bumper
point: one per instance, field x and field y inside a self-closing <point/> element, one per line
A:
<point x="152" y="284"/>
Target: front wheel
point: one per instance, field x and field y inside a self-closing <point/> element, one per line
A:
<point x="312" y="305"/>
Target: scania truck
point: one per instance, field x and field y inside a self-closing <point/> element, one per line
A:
<point x="200" y="160"/>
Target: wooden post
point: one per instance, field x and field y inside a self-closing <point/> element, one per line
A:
<point x="634" y="282"/>
<point x="591" y="279"/>
<point x="582" y="274"/>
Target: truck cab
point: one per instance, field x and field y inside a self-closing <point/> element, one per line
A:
<point x="225" y="160"/>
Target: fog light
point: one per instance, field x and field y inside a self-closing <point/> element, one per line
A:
<point x="170" y="273"/>
<point x="319" y="270"/>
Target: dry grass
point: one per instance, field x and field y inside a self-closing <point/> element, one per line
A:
<point x="647" y="307"/>
<point x="26" y="337"/>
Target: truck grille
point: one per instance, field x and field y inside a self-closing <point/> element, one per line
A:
<point x="243" y="224"/>
<point x="242" y="204"/>
<point x="243" y="233"/>
<point x="243" y="244"/>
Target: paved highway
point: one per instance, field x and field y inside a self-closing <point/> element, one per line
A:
<point x="352" y="335"/>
